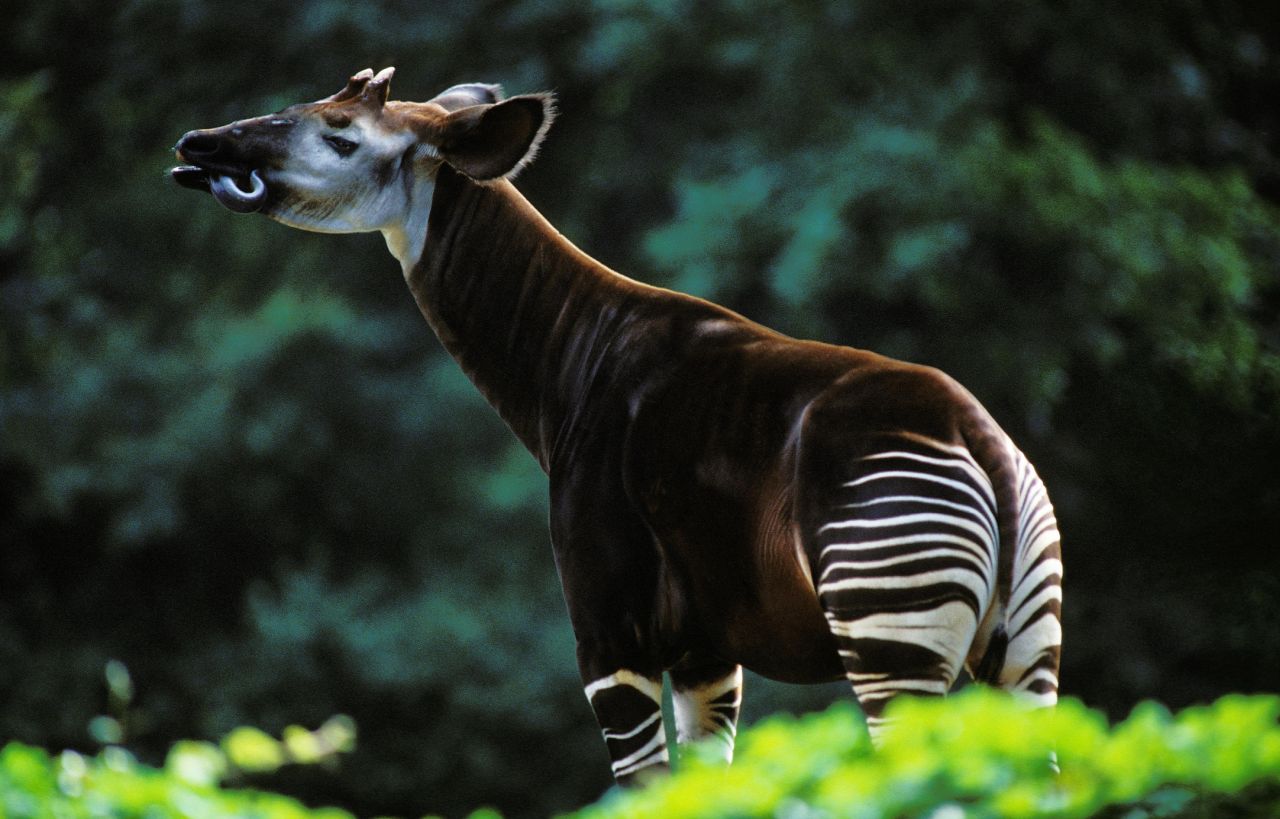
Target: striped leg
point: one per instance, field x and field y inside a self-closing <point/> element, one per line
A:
<point x="1033" y="621"/>
<point x="628" y="707"/>
<point x="906" y="570"/>
<point x="706" y="698"/>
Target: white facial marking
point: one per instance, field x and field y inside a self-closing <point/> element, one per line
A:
<point x="407" y="237"/>
<point x="356" y="179"/>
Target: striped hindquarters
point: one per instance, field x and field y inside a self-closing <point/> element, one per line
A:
<point x="906" y="562"/>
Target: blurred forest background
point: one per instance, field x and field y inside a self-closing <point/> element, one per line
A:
<point x="234" y="460"/>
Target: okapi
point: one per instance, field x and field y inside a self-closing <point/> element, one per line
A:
<point x="721" y="495"/>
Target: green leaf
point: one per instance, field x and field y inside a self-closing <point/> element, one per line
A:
<point x="196" y="763"/>
<point x="253" y="750"/>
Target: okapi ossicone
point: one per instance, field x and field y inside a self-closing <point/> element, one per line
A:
<point x="722" y="496"/>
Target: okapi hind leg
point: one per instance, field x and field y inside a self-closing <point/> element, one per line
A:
<point x="880" y="669"/>
<point x="707" y="696"/>
<point x="1033" y="622"/>
<point x="905" y="541"/>
<point x="628" y="707"/>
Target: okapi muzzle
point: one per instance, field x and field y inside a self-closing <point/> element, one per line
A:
<point x="722" y="496"/>
<point x="229" y="161"/>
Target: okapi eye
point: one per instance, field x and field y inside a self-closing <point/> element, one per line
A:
<point x="344" y="147"/>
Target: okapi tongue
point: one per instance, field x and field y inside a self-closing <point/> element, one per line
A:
<point x="232" y="197"/>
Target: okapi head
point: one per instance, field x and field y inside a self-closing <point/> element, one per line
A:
<point x="355" y="161"/>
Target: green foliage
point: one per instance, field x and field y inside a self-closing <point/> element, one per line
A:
<point x="978" y="754"/>
<point x="34" y="784"/>
<point x="982" y="754"/>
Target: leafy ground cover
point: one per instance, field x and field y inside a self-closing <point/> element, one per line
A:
<point x="35" y="784"/>
<point x="978" y="754"/>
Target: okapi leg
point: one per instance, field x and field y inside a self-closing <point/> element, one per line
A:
<point x="628" y="707"/>
<point x="879" y="669"/>
<point x="608" y="566"/>
<point x="1033" y="622"/>
<point x="906" y="548"/>
<point x="706" y="697"/>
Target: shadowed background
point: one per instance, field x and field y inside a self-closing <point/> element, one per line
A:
<point x="233" y="458"/>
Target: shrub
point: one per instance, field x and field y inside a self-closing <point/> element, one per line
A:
<point x="34" y="784"/>
<point x="982" y="754"/>
<point x="976" y="755"/>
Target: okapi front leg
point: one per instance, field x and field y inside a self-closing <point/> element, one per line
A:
<point x="628" y="707"/>
<point x="608" y="567"/>
<point x="706" y="697"/>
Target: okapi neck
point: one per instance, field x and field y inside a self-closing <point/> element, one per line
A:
<point x="526" y="314"/>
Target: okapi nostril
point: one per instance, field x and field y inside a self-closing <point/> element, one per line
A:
<point x="197" y="144"/>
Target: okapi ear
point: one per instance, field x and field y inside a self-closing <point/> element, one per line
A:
<point x="468" y="94"/>
<point x="354" y="86"/>
<point x="492" y="141"/>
